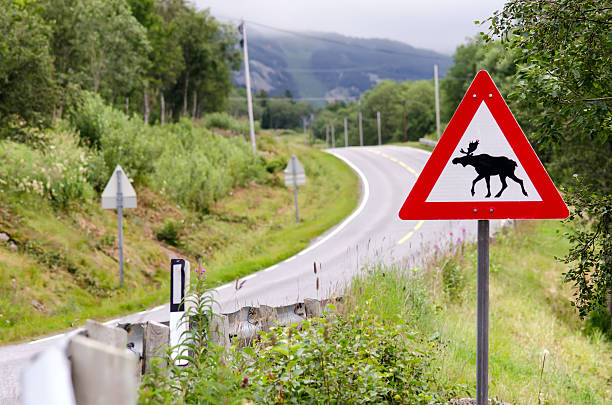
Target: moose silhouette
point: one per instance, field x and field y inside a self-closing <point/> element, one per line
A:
<point x="487" y="166"/>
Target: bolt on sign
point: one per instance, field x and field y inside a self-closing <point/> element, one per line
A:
<point x="483" y="168"/>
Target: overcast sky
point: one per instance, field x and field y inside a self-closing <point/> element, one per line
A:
<point x="440" y="25"/>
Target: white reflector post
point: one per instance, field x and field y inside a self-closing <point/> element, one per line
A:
<point x="179" y="284"/>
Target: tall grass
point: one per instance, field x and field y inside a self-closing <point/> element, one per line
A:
<point x="539" y="350"/>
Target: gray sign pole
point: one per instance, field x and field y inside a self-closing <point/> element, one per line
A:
<point x="120" y="216"/>
<point x="482" y="340"/>
<point x="295" y="187"/>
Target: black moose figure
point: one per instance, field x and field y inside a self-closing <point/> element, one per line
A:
<point x="487" y="166"/>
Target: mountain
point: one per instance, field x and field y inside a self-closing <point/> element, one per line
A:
<point x="318" y="66"/>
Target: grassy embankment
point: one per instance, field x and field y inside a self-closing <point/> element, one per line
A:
<point x="539" y="350"/>
<point x="59" y="265"/>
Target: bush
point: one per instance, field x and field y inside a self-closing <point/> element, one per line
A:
<point x="197" y="167"/>
<point x="57" y="173"/>
<point x="222" y="120"/>
<point x="169" y="233"/>
<point x="353" y="358"/>
<point x="118" y="139"/>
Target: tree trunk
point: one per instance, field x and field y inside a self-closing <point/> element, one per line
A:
<point x="146" y="105"/>
<point x="185" y="94"/>
<point x="127" y="106"/>
<point x="609" y="302"/>
<point x="163" y="110"/>
<point x="195" y="103"/>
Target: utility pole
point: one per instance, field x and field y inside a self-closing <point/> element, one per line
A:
<point x="333" y="136"/>
<point x="242" y="29"/>
<point x="360" y="130"/>
<point x="378" y="124"/>
<point x="437" y="100"/>
<point x="405" y="129"/>
<point x="312" y="127"/>
<point x="345" y="134"/>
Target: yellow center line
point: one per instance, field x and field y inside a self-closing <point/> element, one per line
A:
<point x="405" y="238"/>
<point x="413" y="172"/>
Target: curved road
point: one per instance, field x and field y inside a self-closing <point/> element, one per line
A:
<point x="373" y="233"/>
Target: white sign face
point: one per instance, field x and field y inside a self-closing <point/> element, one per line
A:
<point x="483" y="137"/>
<point x="300" y="173"/>
<point x="177" y="288"/>
<point x="109" y="195"/>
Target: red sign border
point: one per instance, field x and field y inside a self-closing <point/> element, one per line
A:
<point x="483" y="89"/>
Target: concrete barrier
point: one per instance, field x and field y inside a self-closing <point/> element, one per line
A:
<point x="155" y="338"/>
<point x="102" y="374"/>
<point x="109" y="335"/>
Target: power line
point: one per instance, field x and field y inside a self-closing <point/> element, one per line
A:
<point x="333" y="41"/>
<point x="383" y="50"/>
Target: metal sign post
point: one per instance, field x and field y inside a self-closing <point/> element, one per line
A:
<point x="447" y="187"/>
<point x="119" y="194"/>
<point x="295" y="176"/>
<point x="120" y="221"/>
<point x="482" y="318"/>
<point x="295" y="187"/>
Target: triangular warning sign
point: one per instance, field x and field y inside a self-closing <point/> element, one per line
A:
<point x="483" y="167"/>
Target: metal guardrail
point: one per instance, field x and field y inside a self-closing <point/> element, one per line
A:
<point x="428" y="142"/>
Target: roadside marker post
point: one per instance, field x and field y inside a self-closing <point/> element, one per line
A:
<point x="448" y="188"/>
<point x="119" y="194"/>
<point x="295" y="176"/>
<point x="179" y="285"/>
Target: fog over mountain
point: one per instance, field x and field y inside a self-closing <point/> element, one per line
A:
<point x="318" y="66"/>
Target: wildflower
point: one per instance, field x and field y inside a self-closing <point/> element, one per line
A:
<point x="436" y="247"/>
<point x="463" y="231"/>
<point x="245" y="381"/>
<point x="458" y="240"/>
<point x="200" y="270"/>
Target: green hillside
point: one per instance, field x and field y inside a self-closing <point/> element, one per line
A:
<point x="200" y="195"/>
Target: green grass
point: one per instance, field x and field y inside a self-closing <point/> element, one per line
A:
<point x="530" y="316"/>
<point x="64" y="269"/>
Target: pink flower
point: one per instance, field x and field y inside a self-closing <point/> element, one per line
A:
<point x="200" y="270"/>
<point x="436" y="247"/>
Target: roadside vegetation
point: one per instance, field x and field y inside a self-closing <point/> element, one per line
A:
<point x="539" y="351"/>
<point x="405" y="336"/>
<point x="200" y="195"/>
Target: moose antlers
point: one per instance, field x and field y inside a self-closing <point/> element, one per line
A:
<point x="471" y="148"/>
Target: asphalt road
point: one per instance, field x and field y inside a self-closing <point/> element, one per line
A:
<point x="372" y="234"/>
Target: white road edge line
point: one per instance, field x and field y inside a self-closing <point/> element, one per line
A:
<point x="249" y="277"/>
<point x="223" y="287"/>
<point x="364" y="200"/>
<point x="272" y="268"/>
<point x="157" y="308"/>
<point x="292" y="258"/>
<point x="47" y="338"/>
